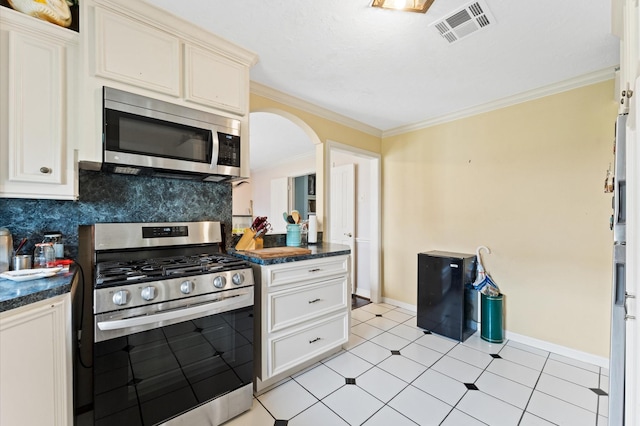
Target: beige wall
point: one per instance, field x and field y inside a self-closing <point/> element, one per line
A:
<point x="526" y="181"/>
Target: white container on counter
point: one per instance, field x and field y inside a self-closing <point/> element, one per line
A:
<point x="6" y="249"/>
<point x="312" y="237"/>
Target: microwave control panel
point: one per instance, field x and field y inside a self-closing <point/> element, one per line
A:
<point x="229" y="151"/>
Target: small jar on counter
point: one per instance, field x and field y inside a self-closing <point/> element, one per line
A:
<point x="44" y="256"/>
<point x="55" y="238"/>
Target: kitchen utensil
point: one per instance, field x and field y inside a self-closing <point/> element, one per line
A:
<point x="21" y="245"/>
<point x="21" y="261"/>
<point x="290" y="219"/>
<point x="285" y="216"/>
<point x="296" y="216"/>
<point x="6" y="249"/>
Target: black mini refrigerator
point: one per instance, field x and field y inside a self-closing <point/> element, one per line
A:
<point x="447" y="302"/>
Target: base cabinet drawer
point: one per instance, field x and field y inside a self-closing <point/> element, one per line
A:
<point x="291" y="349"/>
<point x="306" y="270"/>
<point x="290" y="307"/>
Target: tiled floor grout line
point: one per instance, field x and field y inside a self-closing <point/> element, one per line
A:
<point x="485" y="369"/>
<point x="441" y="355"/>
<point x="534" y="387"/>
<point x="427" y="368"/>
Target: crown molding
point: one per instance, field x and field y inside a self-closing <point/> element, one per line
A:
<point x="275" y="95"/>
<point x="552" y="89"/>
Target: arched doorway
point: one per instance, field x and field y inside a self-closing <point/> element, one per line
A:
<point x="282" y="152"/>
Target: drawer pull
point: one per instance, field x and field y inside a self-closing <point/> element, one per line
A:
<point x="314" y="340"/>
<point x="45" y="170"/>
<point x="314" y="270"/>
<point x="314" y="300"/>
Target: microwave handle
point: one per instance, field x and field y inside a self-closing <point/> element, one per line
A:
<point x="215" y="149"/>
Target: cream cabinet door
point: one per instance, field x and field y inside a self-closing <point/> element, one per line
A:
<point x="135" y="53"/>
<point x="35" y="364"/>
<point x="214" y="81"/>
<point x="36" y="69"/>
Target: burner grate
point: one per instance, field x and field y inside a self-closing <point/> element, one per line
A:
<point x="112" y="273"/>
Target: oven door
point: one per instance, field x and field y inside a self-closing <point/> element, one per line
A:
<point x="174" y="365"/>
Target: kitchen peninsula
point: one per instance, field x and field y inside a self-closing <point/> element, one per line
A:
<point x="302" y="309"/>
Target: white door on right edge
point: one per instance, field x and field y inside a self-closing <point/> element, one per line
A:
<point x="342" y="212"/>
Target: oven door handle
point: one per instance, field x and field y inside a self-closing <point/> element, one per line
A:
<point x="221" y="305"/>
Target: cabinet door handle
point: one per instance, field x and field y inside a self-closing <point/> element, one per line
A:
<point x="45" y="170"/>
<point x="314" y="270"/>
<point x="314" y="300"/>
<point x="314" y="340"/>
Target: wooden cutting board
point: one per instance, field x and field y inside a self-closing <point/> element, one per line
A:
<point x="271" y="252"/>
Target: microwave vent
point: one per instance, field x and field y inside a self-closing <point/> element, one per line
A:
<point x="126" y="170"/>
<point x="465" y="21"/>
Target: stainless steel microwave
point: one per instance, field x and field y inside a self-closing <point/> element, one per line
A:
<point x="145" y="136"/>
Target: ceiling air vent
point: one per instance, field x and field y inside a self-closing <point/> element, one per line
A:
<point x="465" y="21"/>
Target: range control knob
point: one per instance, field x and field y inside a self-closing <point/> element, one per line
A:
<point x="186" y="287"/>
<point x="219" y="282"/>
<point x="148" y="293"/>
<point x="121" y="297"/>
<point x="238" y="278"/>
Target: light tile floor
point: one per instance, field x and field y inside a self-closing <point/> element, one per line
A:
<point x="392" y="373"/>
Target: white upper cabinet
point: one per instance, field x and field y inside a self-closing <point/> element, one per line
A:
<point x="37" y="87"/>
<point x="139" y="48"/>
<point x="215" y="81"/>
<point x="136" y="53"/>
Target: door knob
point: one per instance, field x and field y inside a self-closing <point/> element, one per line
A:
<point x="348" y="234"/>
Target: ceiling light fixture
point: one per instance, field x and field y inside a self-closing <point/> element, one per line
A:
<point x="420" y="6"/>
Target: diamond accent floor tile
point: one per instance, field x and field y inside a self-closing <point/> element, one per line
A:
<point x="405" y="377"/>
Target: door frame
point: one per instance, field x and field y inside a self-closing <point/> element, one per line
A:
<point x="375" y="182"/>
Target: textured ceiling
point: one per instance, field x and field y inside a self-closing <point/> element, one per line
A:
<point x="389" y="69"/>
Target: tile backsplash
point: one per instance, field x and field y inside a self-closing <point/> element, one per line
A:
<point x="106" y="197"/>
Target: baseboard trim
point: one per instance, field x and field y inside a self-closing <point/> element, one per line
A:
<point x="558" y="349"/>
<point x="536" y="343"/>
<point x="407" y="306"/>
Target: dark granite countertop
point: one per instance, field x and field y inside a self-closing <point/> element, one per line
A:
<point x="15" y="294"/>
<point x="317" y="251"/>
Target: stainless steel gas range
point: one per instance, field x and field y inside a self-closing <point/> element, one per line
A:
<point x="165" y="325"/>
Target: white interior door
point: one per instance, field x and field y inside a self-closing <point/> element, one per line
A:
<point x="342" y="214"/>
<point x="279" y="204"/>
